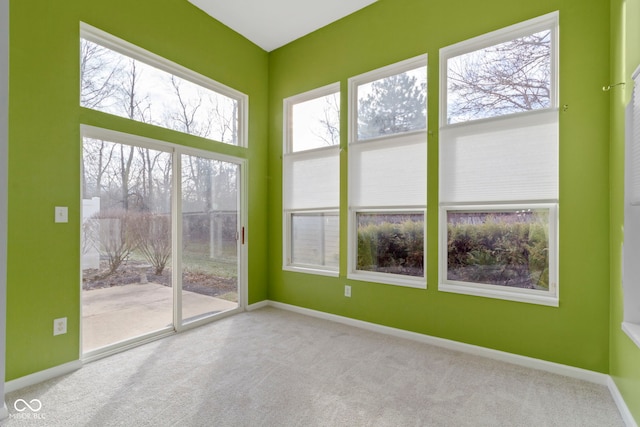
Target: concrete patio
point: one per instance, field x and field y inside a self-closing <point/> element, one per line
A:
<point x="110" y="315"/>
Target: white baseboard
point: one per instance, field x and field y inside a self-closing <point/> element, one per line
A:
<point x="529" y="362"/>
<point x="621" y="404"/>
<point x="41" y="376"/>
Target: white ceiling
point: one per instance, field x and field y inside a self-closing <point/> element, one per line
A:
<point x="274" y="23"/>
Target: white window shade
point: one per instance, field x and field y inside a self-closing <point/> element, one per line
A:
<point x="630" y="265"/>
<point x="507" y="159"/>
<point x="312" y="179"/>
<point x="389" y="172"/>
<point x="633" y="130"/>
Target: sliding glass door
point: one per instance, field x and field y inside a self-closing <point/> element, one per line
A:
<point x="161" y="239"/>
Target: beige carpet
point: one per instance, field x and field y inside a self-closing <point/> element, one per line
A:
<point x="275" y="368"/>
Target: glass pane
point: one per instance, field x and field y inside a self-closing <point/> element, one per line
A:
<point x="502" y="79"/>
<point x="117" y="84"/>
<point x="209" y="236"/>
<point x="391" y="243"/>
<point x="316" y="123"/>
<point x="393" y="105"/>
<point x="506" y="248"/>
<point x="315" y="239"/>
<point x="126" y="242"/>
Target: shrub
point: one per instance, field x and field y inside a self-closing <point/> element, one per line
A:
<point x="120" y="232"/>
<point x="152" y="232"/>
<point x="118" y="238"/>
<point x="499" y="250"/>
<point x="392" y="247"/>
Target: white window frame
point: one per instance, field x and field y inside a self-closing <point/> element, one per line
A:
<point x="630" y="267"/>
<point x="118" y="45"/>
<point x="550" y="298"/>
<point x="287" y="231"/>
<point x="383" y="141"/>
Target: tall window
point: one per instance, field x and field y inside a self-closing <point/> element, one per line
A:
<point x="499" y="164"/>
<point x="388" y="174"/>
<point x="631" y="267"/>
<point x="311" y="179"/>
<point x="125" y="80"/>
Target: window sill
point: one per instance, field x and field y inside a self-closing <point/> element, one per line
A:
<point x="389" y="279"/>
<point x="633" y="331"/>
<point x="311" y="270"/>
<point x="547" y="300"/>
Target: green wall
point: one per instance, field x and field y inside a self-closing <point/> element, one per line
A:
<point x="43" y="277"/>
<point x="625" y="57"/>
<point x="577" y="332"/>
<point x="44" y="150"/>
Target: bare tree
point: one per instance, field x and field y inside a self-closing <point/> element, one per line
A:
<point x="224" y="118"/>
<point x="201" y="112"/>
<point x="97" y="157"/>
<point x="117" y="237"/>
<point x="329" y="131"/>
<point x="153" y="235"/>
<point x="125" y="170"/>
<point x="136" y="107"/>
<point x="106" y="79"/>
<point x="99" y="72"/>
<point x="188" y="114"/>
<point x="506" y="78"/>
<point x="90" y="235"/>
<point x="153" y="169"/>
<point x="197" y="173"/>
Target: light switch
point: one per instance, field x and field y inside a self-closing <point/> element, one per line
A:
<point x="62" y="214"/>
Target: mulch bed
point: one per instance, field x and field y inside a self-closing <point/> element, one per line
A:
<point x="131" y="271"/>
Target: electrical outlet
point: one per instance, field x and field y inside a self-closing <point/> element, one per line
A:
<point x="60" y="326"/>
<point x="347" y="291"/>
